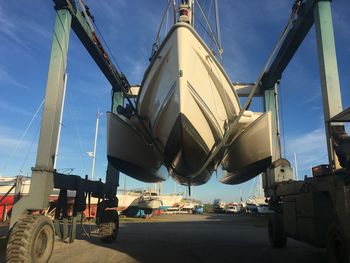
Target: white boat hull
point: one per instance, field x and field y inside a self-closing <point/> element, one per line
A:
<point x="150" y="204"/>
<point x="187" y="101"/>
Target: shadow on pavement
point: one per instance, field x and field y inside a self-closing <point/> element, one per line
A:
<point x="214" y="238"/>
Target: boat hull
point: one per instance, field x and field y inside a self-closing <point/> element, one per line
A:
<point x="251" y="153"/>
<point x="129" y="152"/>
<point x="149" y="204"/>
<point x="187" y="100"/>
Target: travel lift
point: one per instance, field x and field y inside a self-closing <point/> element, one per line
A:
<point x="32" y="234"/>
<point x="316" y="210"/>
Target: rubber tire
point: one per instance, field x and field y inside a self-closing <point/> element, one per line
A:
<point x="24" y="236"/>
<point x="336" y="245"/>
<point x="108" y="222"/>
<point x="108" y="231"/>
<point x="276" y="233"/>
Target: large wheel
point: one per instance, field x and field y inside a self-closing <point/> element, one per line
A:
<point x="109" y="231"/>
<point x="277" y="235"/>
<point x="31" y="240"/>
<point x="336" y="245"/>
<point x="107" y="221"/>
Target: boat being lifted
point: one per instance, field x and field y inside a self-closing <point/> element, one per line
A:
<point x="187" y="116"/>
<point x="185" y="108"/>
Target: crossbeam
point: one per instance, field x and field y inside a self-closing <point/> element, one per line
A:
<point x="295" y="36"/>
<point x="91" y="42"/>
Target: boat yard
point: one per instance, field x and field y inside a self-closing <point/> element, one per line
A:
<point x="185" y="238"/>
<point x="188" y="121"/>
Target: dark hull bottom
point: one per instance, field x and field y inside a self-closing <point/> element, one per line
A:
<point x="247" y="172"/>
<point x="186" y="153"/>
<point x="130" y="153"/>
<point x="137" y="172"/>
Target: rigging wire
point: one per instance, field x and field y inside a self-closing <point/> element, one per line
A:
<point x="165" y="15"/>
<point x="23" y="135"/>
<point x="208" y="24"/>
<point x="218" y="28"/>
<point x="30" y="148"/>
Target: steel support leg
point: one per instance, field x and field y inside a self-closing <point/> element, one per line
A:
<point x="270" y="104"/>
<point x="42" y="174"/>
<point x="332" y="103"/>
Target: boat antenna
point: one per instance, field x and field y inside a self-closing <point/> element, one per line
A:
<point x="218" y="36"/>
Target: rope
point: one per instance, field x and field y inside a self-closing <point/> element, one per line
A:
<point x="157" y="42"/>
<point x="30" y="148"/>
<point x="23" y="135"/>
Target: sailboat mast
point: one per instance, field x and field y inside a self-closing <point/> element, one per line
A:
<point x="296" y="167"/>
<point x="95" y="145"/>
<point x="186" y="12"/>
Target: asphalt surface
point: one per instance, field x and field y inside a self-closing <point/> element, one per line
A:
<point x="185" y="238"/>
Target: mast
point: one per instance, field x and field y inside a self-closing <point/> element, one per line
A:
<point x="296" y="167"/>
<point x="95" y="145"/>
<point x="60" y="123"/>
<point x="185" y="12"/>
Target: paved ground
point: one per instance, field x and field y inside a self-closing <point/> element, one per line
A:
<point x="186" y="238"/>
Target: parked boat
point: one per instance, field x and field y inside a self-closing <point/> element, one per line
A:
<point x="257" y="205"/>
<point x="186" y="112"/>
<point x="149" y="202"/>
<point x="169" y="200"/>
<point x="125" y="198"/>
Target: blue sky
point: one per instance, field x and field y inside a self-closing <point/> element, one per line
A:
<point x="249" y="31"/>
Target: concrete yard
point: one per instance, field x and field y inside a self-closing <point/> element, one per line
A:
<point x="186" y="238"/>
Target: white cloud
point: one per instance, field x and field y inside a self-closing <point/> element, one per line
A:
<point x="6" y="77"/>
<point x="310" y="148"/>
<point x="6" y="107"/>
